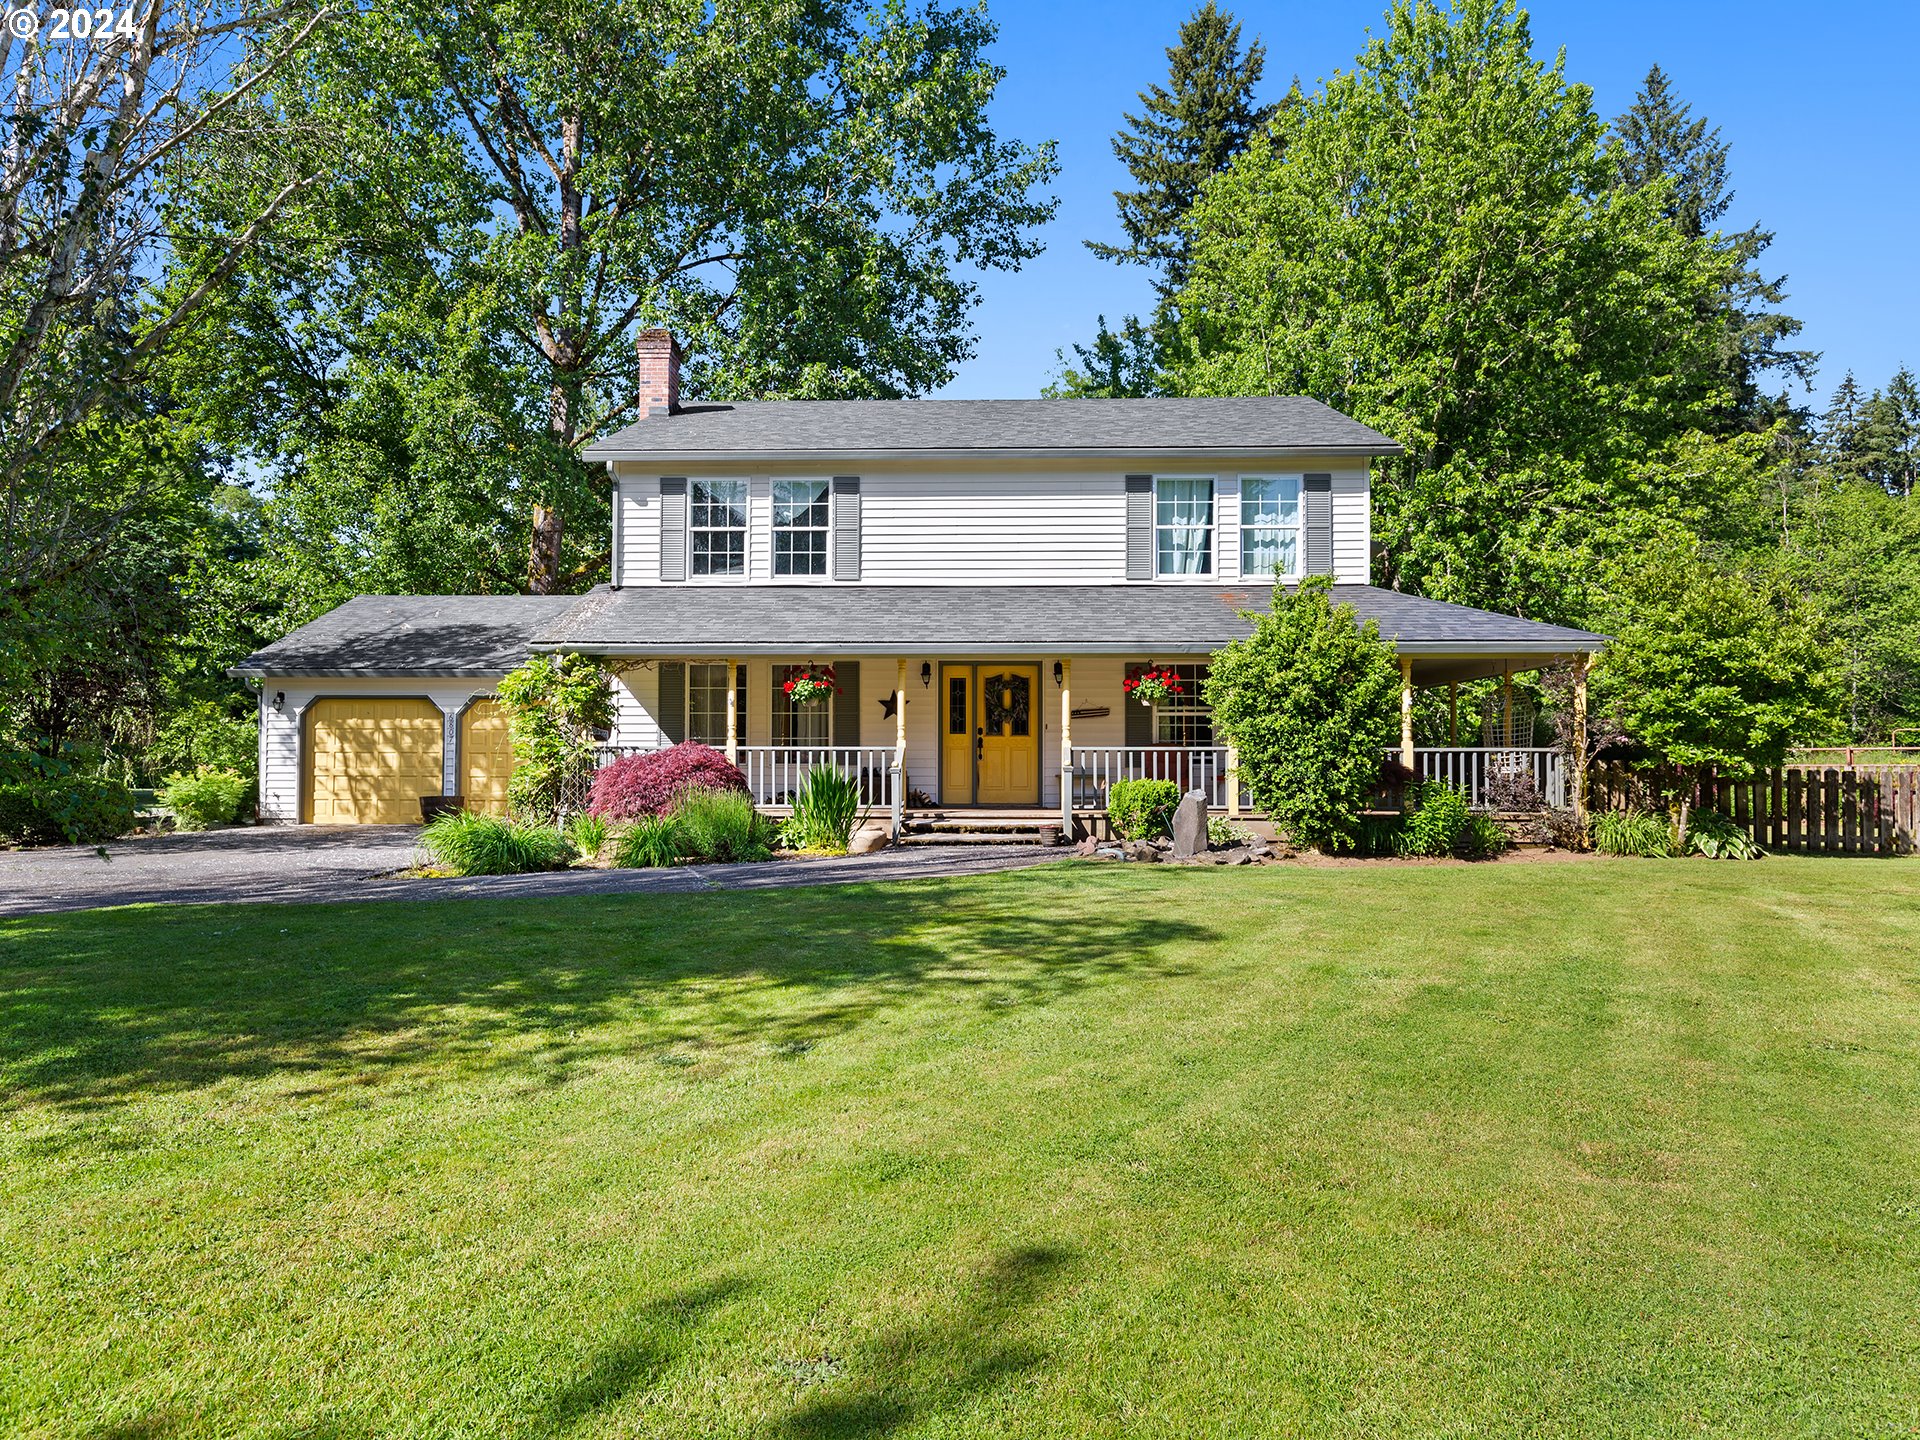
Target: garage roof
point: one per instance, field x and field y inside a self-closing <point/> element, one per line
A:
<point x="456" y="635"/>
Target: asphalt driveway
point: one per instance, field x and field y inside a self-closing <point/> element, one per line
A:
<point x="303" y="864"/>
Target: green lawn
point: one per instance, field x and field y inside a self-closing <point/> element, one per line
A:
<point x="1621" y="1148"/>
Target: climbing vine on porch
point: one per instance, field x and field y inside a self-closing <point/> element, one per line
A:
<point x="558" y="707"/>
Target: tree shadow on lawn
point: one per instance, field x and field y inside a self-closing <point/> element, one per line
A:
<point x="96" y="1007"/>
<point x="942" y="1361"/>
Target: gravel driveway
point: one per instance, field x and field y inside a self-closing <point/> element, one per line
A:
<point x="295" y="864"/>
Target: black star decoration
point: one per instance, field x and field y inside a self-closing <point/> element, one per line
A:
<point x="887" y="704"/>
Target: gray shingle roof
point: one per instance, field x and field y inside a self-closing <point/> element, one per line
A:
<point x="744" y="620"/>
<point x="413" y="635"/>
<point x="851" y="428"/>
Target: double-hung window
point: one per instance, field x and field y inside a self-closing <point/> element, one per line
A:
<point x="718" y="527"/>
<point x="799" y="527"/>
<point x="1269" y="526"/>
<point x="1184" y="719"/>
<point x="707" y="704"/>
<point x="1183" y="525"/>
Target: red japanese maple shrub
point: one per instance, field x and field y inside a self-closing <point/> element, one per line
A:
<point x="637" y="785"/>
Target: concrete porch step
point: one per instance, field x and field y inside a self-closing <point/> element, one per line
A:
<point x="978" y="837"/>
<point x="979" y="822"/>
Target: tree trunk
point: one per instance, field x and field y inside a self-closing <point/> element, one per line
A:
<point x="543" y="560"/>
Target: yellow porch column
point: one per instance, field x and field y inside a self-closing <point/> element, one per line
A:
<point x="733" y="712"/>
<point x="1406" y="711"/>
<point x="900" y="714"/>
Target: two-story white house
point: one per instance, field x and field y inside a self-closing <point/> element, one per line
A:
<point x="981" y="577"/>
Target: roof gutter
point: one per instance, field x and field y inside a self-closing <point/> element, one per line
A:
<point x="1150" y="645"/>
<point x="986" y="452"/>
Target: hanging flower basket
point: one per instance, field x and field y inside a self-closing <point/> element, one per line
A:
<point x="810" y="687"/>
<point x="1153" y="687"/>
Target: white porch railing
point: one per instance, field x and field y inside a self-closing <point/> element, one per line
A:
<point x="1191" y="767"/>
<point x="1495" y="775"/>
<point x="776" y="772"/>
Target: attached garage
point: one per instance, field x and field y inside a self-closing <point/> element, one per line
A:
<point x="370" y="759"/>
<point x="486" y="757"/>
<point x="388" y="698"/>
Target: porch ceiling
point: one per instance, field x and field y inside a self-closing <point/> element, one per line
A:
<point x="1447" y="642"/>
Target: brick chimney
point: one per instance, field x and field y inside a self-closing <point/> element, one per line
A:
<point x="659" y="372"/>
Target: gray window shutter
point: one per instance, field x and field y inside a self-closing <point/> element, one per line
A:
<point x="1139" y="720"/>
<point x="672" y="714"/>
<point x="846" y="703"/>
<point x="740" y="705"/>
<point x="846" y="527"/>
<point x="1318" y="497"/>
<point x="1140" y="527"/>
<point x="673" y="527"/>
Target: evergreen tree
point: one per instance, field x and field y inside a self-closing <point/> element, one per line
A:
<point x="1840" y="430"/>
<point x="1890" y="435"/>
<point x="1187" y="131"/>
<point x="1659" y="139"/>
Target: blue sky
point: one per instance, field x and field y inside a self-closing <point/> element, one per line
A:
<point x="1818" y="101"/>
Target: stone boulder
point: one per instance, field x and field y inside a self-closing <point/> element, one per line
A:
<point x="869" y="838"/>
<point x="1190" y="826"/>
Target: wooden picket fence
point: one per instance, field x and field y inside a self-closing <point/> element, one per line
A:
<point x="1807" y="809"/>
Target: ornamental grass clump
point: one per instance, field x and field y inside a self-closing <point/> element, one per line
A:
<point x="1142" y="809"/>
<point x="469" y="844"/>
<point x="651" y="842"/>
<point x="823" y="812"/>
<point x="587" y="834"/>
<point x="721" y="826"/>
<point x="1638" y="833"/>
<point x="653" y="783"/>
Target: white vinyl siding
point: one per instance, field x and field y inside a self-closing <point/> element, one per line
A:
<point x="1024" y="527"/>
<point x="1183" y="525"/>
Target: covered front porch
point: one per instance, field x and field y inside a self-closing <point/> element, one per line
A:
<point x="952" y="700"/>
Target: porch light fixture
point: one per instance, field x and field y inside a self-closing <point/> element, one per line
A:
<point x="1059" y="675"/>
<point x="279" y="702"/>
<point x="926" y="674"/>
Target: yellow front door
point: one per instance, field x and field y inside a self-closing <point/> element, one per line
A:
<point x="1008" y="734"/>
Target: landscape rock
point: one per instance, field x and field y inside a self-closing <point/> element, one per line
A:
<point x="1142" y="850"/>
<point x="869" y="838"/>
<point x="1190" y="826"/>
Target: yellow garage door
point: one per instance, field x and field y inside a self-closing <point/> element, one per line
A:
<point x="486" y="754"/>
<point x="370" y="759"/>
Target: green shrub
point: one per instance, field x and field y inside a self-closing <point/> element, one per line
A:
<point x="204" y="733"/>
<point x="1310" y="699"/>
<point x="1713" y="835"/>
<point x="65" y="809"/>
<point x="721" y="825"/>
<point x="556" y="706"/>
<point x="587" y="834"/>
<point x="1440" y="816"/>
<point x="1483" y="838"/>
<point x="650" y="842"/>
<point x="1142" y="809"/>
<point x="206" y="795"/>
<point x="823" y="811"/>
<point x="1632" y="832"/>
<point x="469" y="844"/>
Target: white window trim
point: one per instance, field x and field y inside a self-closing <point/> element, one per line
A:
<point x="746" y="531"/>
<point x="1211" y="574"/>
<point x="686" y="720"/>
<point x="1299" y="522"/>
<point x="825" y="577"/>
<point x="1196" y="703"/>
